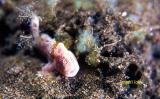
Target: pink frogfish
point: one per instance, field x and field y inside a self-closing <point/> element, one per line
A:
<point x="64" y="61"/>
<point x="59" y="57"/>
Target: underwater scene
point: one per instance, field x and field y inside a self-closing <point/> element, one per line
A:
<point x="79" y="49"/>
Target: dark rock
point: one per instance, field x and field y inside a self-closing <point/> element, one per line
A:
<point x="156" y="50"/>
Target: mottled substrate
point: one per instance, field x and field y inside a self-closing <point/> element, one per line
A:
<point x="118" y="53"/>
<point x="20" y="78"/>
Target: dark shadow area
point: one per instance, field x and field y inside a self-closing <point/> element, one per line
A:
<point x="115" y="52"/>
<point x="156" y="50"/>
<point x="104" y="70"/>
<point x="83" y="65"/>
<point x="11" y="50"/>
<point x="133" y="74"/>
<point x="4" y="32"/>
<point x="35" y="53"/>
